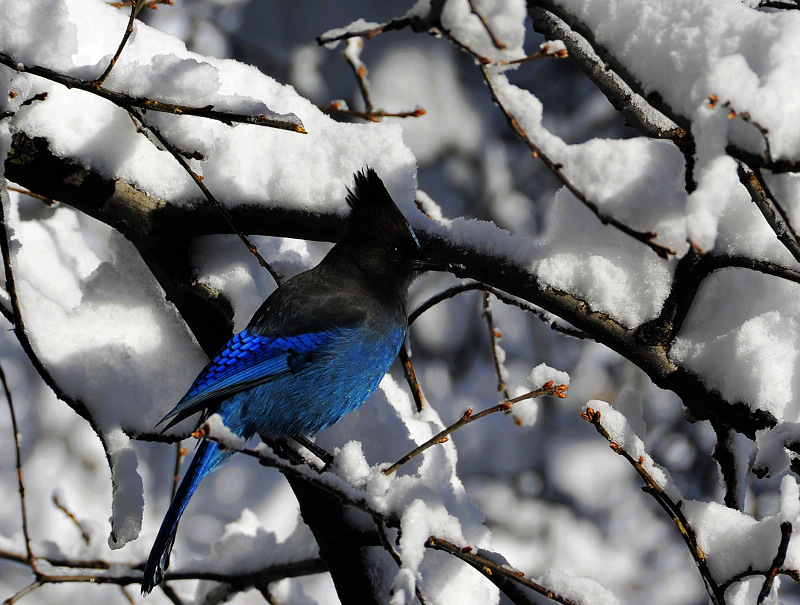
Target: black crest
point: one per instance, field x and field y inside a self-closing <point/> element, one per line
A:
<point x="373" y="214"/>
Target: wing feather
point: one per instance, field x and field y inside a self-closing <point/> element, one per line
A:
<point x="246" y="361"/>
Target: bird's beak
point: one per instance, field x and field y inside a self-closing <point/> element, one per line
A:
<point x="437" y="263"/>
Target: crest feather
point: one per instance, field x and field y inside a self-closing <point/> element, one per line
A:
<point x="373" y="213"/>
<point x="368" y="190"/>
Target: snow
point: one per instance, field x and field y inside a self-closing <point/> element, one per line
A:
<point x="734" y="542"/>
<point x="356" y="26"/>
<point x="751" y="346"/>
<point x="580" y="589"/>
<point x="158" y="65"/>
<point x="562" y="507"/>
<point x="687" y="52"/>
<point x="227" y="439"/>
<point x="128" y="502"/>
<point x="542" y="374"/>
<point x="233" y="551"/>
<point x="505" y="18"/>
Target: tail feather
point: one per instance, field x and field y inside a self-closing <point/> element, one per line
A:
<point x="206" y="459"/>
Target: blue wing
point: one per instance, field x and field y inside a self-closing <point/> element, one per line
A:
<point x="247" y="360"/>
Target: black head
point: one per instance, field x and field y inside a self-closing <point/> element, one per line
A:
<point x="379" y="239"/>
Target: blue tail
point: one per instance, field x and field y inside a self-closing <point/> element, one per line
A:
<point x="206" y="459"/>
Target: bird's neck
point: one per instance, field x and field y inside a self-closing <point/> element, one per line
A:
<point x="340" y="270"/>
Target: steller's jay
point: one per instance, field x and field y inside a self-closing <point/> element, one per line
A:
<point x="314" y="350"/>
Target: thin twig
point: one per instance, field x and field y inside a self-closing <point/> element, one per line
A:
<point x="359" y="71"/>
<point x="389" y="547"/>
<point x="491" y="570"/>
<point x="368" y="33"/>
<point x="180" y="454"/>
<point x="145" y="3"/>
<point x="497" y="43"/>
<point x="291" y="123"/>
<point x="20" y="481"/>
<point x="645" y="237"/>
<point x="467" y="417"/>
<point x="411" y="376"/>
<point x="713" y="101"/>
<point x="370" y="113"/>
<point x="170" y="593"/>
<point x="136" y="6"/>
<point x="123" y="574"/>
<point x="60" y="506"/>
<point x="29" y="588"/>
<point x="502" y="296"/>
<point x="448" y="35"/>
<point x="544" y="54"/>
<point x="777" y="562"/>
<point x="673" y="509"/>
<point x="46" y="200"/>
<point x="127" y="595"/>
<point x="774" y="214"/>
<point x="271" y="460"/>
<point x="207" y="193"/>
<point x="494" y="337"/>
<point x="690" y="273"/>
<point x="372" y="116"/>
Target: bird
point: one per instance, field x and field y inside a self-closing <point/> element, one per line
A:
<point x="313" y="351"/>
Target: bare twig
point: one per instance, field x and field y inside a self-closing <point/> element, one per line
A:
<point x="21" y="593"/>
<point x="60" y="506"/>
<point x="152" y="4"/>
<point x="777" y="562"/>
<point x="180" y="454"/>
<point x="170" y="593"/>
<point x="122" y="576"/>
<point x="494" y="337"/>
<point x="543" y="54"/>
<point x="46" y="200"/>
<point x="497" y="43"/>
<point x="371" y="32"/>
<point x="411" y="376"/>
<point x="136" y="6"/>
<point x="31" y="560"/>
<point x="493" y="571"/>
<point x="502" y="296"/>
<point x="372" y="116"/>
<point x="207" y="193"/>
<point x="467" y="417"/>
<point x="127" y="595"/>
<point x="673" y="509"/>
<point x="359" y="70"/>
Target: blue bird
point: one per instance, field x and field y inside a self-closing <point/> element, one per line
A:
<point x="314" y="350"/>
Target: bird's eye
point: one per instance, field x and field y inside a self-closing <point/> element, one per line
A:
<point x="395" y="253"/>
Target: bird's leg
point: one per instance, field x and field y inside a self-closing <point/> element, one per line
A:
<point x="283" y="450"/>
<point x="319" y="452"/>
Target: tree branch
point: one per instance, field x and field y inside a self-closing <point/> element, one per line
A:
<point x="673" y="509"/>
<point x="161" y="232"/>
